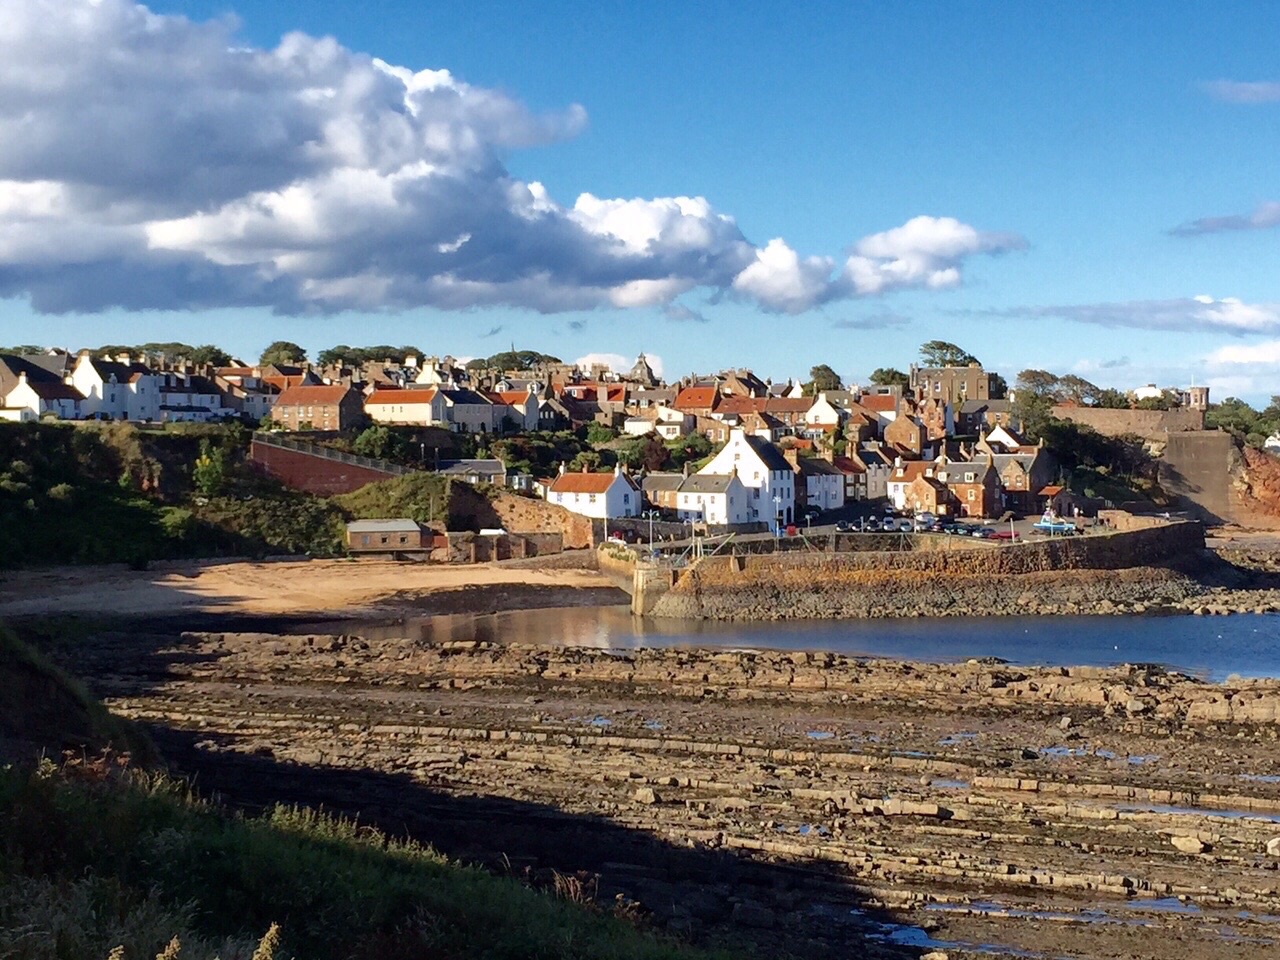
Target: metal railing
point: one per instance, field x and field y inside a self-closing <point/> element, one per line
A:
<point x="328" y="453"/>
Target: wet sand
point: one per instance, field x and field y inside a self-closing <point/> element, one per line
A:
<point x="293" y="589"/>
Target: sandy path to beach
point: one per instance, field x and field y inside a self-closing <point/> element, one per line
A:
<point x="290" y="588"/>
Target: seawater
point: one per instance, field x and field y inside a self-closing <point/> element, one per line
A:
<point x="1214" y="648"/>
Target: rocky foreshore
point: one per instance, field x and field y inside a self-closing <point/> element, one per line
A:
<point x="808" y="804"/>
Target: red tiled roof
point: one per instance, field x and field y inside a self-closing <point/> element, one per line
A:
<point x="696" y="398"/>
<point x="385" y="395"/>
<point x="583" y="482"/>
<point x="511" y="398"/>
<point x="845" y="465"/>
<point x="312" y="395"/>
<point x="1050" y="491"/>
<point x="879" y="402"/>
<point x="287" y="383"/>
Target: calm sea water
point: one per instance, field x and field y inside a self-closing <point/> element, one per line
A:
<point x="1247" y="645"/>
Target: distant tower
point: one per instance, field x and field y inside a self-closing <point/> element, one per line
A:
<point x="1198" y="398"/>
<point x="642" y="373"/>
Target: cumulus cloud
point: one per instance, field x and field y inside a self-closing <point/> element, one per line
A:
<point x="618" y="363"/>
<point x="1236" y="91"/>
<point x="150" y="161"/>
<point x="1190" y="314"/>
<point x="1265" y="216"/>
<point x="1267" y="352"/>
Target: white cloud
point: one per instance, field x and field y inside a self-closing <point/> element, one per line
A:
<point x="1191" y="314"/>
<point x="1265" y="216"/>
<point x="310" y="178"/>
<point x="618" y="363"/>
<point x="923" y="252"/>
<point x="1267" y="352"/>
<point x="1237" y="91"/>
<point x="780" y="280"/>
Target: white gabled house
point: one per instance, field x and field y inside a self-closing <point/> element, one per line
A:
<point x="36" y="398"/>
<point x="599" y="495"/>
<point x="713" y="498"/>
<point x="764" y="471"/>
<point x="116" y="389"/>
<point x="417" y="407"/>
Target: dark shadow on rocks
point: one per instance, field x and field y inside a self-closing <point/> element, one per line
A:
<point x="708" y="895"/>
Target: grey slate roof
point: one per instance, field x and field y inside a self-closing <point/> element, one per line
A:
<point x="485" y="468"/>
<point x="707" y="483"/>
<point x="654" y="482"/>
<point x="383" y="526"/>
<point x="771" y="455"/>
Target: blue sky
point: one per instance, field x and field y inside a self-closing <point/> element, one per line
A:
<point x="1072" y="142"/>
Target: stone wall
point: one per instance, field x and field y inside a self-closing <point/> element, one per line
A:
<point x="1068" y="571"/>
<point x="315" y="475"/>
<point x="1148" y="424"/>
<point x="1196" y="468"/>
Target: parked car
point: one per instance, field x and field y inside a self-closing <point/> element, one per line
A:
<point x="844" y="526"/>
<point x="906" y="526"/>
<point x="985" y="533"/>
<point x="870" y="524"/>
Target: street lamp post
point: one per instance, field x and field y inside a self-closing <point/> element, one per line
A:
<point x="777" y="516"/>
<point x="650" y="514"/>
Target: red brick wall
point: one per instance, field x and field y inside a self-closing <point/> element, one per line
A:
<point x="312" y="474"/>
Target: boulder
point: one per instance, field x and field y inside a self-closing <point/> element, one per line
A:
<point x="1273" y="847"/>
<point x="646" y="795"/>
<point x="1189" y="844"/>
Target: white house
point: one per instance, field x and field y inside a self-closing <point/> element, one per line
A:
<point x="713" y="498"/>
<point x="515" y="409"/>
<point x="467" y="411"/>
<point x="824" y="484"/>
<point x="191" y="398"/>
<point x="638" y="426"/>
<point x="1002" y="438"/>
<point x="35" y="398"/>
<point x="417" y="407"/>
<point x="878" y="467"/>
<point x="1272" y="444"/>
<point x="599" y="495"/>
<point x="763" y="470"/>
<point x="116" y="389"/>
<point x="824" y="415"/>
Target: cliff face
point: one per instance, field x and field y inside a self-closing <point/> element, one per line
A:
<point x="1256" y="488"/>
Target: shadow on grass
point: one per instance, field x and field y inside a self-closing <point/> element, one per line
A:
<point x="711" y="897"/>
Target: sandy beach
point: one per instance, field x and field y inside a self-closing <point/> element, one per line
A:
<point x="273" y="589"/>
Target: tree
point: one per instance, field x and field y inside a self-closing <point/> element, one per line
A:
<point x="1111" y="399"/>
<point x="889" y="377"/>
<point x="822" y="377"/>
<point x="208" y="353"/>
<point x="283" y="352"/>
<point x="1037" y="391"/>
<point x="999" y="387"/>
<point x="209" y="471"/>
<point x="511" y="360"/>
<point x="1078" y="390"/>
<point x="942" y="353"/>
<point x="598" y="433"/>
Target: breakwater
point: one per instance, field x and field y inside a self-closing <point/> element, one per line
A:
<point x="1132" y="570"/>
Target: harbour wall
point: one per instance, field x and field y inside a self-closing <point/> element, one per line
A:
<point x="1066" y="575"/>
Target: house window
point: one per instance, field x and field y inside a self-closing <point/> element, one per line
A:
<point x="973" y="495"/>
<point x="591" y="498"/>
<point x="384" y="539"/>
<point x="626" y="498"/>
<point x="968" y="477"/>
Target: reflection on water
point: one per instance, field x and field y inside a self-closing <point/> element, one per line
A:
<point x="1247" y="644"/>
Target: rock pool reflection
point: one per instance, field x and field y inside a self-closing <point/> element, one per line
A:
<point x="1247" y="645"/>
